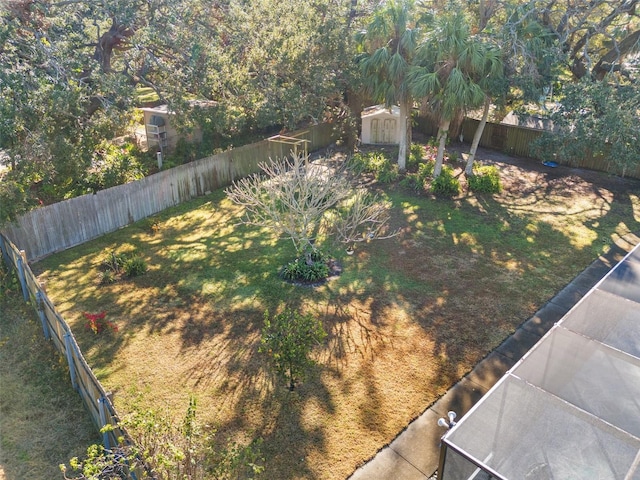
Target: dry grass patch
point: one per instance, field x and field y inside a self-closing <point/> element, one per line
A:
<point x="43" y="422"/>
<point x="406" y="319"/>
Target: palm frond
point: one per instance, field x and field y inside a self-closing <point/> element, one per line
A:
<point x="397" y="68"/>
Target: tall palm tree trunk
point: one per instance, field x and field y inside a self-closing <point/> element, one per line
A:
<point x="443" y="131"/>
<point x="476" y="137"/>
<point x="404" y="133"/>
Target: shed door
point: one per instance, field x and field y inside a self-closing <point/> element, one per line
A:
<point x="376" y="134"/>
<point x="389" y="131"/>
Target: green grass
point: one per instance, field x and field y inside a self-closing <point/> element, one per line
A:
<point x="43" y="422"/>
<point x="406" y="319"/>
<point x="146" y="95"/>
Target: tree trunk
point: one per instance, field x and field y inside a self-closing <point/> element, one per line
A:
<point x="476" y="137"/>
<point x="443" y="131"/>
<point x="409" y="127"/>
<point x="355" y="106"/>
<point x="404" y="126"/>
<point x="352" y="13"/>
<point x="615" y="55"/>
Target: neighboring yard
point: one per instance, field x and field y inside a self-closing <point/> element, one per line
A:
<point x="42" y="419"/>
<point x="406" y="319"/>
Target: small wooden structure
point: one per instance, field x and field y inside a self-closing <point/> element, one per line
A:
<point x="381" y="125"/>
<point x="295" y="142"/>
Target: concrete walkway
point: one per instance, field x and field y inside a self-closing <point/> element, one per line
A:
<point x="415" y="452"/>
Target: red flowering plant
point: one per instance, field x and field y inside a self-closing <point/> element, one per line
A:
<point x="97" y="323"/>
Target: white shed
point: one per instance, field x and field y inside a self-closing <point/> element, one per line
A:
<point x="381" y="125"/>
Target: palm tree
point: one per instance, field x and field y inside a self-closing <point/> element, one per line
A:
<point x="452" y="71"/>
<point x="529" y="56"/>
<point x="386" y="50"/>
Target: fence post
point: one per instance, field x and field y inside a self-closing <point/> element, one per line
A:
<point x="43" y="317"/>
<point x="102" y="409"/>
<point x="72" y="366"/>
<point x="23" y="282"/>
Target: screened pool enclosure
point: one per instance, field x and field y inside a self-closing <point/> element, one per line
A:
<point x="570" y="409"/>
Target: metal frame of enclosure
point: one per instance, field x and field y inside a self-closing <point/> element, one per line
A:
<point x="294" y="141"/>
<point x="570" y="408"/>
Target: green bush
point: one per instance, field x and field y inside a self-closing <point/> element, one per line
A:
<point x="311" y="266"/>
<point x="419" y="180"/>
<point x="8" y="279"/>
<point x="107" y="277"/>
<point x="288" y="339"/>
<point x="425" y="170"/>
<point x="300" y="270"/>
<point x="151" y="225"/>
<point x="416" y="153"/>
<point x="135" y="266"/>
<point x="445" y="185"/>
<point x="358" y="163"/>
<point x="387" y="173"/>
<point x="116" y="165"/>
<point x="113" y="262"/>
<point x="412" y="181"/>
<point x="378" y="163"/>
<point x="485" y="179"/>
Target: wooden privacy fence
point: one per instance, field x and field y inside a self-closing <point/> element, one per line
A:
<point x="56" y="329"/>
<point x="72" y="222"/>
<point x="515" y="140"/>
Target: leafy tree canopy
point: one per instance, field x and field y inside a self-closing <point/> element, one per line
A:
<point x="595" y="119"/>
<point x="71" y="69"/>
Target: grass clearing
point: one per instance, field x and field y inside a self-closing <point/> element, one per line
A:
<point x="406" y="319"/>
<point x="43" y="422"/>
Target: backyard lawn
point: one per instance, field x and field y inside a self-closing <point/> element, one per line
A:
<point x="406" y="319"/>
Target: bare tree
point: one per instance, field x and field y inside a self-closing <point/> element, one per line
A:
<point x="303" y="200"/>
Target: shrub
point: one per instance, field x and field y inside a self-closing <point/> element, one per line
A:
<point x="173" y="448"/>
<point x="288" y="339"/>
<point x="485" y="179"/>
<point x="445" y="185"/>
<point x="425" y="170"/>
<point x="97" y="323"/>
<point x="135" y="266"/>
<point x="358" y="163"/>
<point x="107" y="277"/>
<point x="378" y="163"/>
<point x="387" y="173"/>
<point x="8" y="279"/>
<point x="412" y="181"/>
<point x="113" y="262"/>
<point x="416" y="154"/>
<point x="303" y="271"/>
<point x="151" y="226"/>
<point x="116" y="165"/>
<point x="420" y="180"/>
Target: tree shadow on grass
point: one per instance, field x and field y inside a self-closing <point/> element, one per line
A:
<point x="548" y="258"/>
